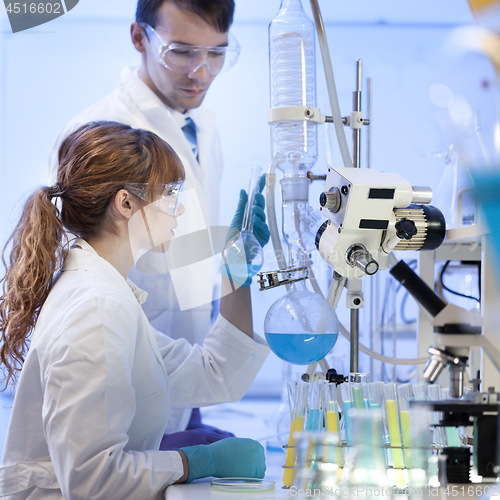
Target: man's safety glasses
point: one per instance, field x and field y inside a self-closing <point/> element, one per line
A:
<point x="182" y="58"/>
<point x="169" y="199"/>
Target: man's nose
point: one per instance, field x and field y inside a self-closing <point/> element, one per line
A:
<point x="201" y="72"/>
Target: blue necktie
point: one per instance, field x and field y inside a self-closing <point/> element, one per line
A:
<point x="189" y="130"/>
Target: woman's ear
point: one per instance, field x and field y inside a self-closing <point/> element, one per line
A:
<point x="125" y="204"/>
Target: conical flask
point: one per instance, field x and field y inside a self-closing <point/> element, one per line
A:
<point x="301" y="327"/>
<point x="368" y="471"/>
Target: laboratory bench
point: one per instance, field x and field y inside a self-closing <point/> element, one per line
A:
<point x="256" y="419"/>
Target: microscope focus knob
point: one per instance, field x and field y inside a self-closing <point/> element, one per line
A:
<point x="405" y="229"/>
<point x="330" y="199"/>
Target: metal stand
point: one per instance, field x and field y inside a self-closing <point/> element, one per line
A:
<point x="355" y="293"/>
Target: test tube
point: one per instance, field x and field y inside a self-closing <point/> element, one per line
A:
<point x="391" y="405"/>
<point x="405" y="395"/>
<point x="376" y="400"/>
<point x="253" y="186"/>
<point x="347" y="404"/>
<point x="439" y="436"/>
<point x="358" y="396"/>
<point x="299" y="394"/>
<point x="419" y="390"/>
<point x="332" y="417"/>
<point x="375" y="394"/>
<point x="419" y="452"/>
<point x="315" y="408"/>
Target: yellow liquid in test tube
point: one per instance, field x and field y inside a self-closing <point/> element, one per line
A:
<point x="395" y="437"/>
<point x="406" y="427"/>
<point x="332" y="425"/>
<point x="297" y="425"/>
<point x="405" y="416"/>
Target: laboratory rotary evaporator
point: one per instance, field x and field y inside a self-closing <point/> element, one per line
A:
<point x="364" y="216"/>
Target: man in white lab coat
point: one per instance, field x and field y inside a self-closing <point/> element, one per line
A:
<point x="183" y="46"/>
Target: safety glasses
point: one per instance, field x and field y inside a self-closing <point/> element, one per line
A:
<point x="187" y="59"/>
<point x="169" y="199"/>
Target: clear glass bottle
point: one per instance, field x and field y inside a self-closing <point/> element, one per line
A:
<point x="293" y="83"/>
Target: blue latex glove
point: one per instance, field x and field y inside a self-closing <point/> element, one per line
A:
<point x="260" y="229"/>
<point x="230" y="457"/>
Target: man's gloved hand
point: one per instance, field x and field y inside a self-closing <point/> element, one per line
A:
<point x="196" y="423"/>
<point x="260" y="229"/>
<point x="230" y="457"/>
<point x="191" y="437"/>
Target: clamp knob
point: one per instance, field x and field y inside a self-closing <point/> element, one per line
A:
<point x="330" y="199"/>
<point x="405" y="229"/>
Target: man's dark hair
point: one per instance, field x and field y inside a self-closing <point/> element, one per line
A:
<point x="217" y="13"/>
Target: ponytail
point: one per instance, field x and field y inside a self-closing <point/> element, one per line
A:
<point x="36" y="256"/>
<point x="95" y="162"/>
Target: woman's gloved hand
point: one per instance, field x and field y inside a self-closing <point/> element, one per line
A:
<point x="260" y="228"/>
<point x="230" y="457"/>
<point x="241" y="250"/>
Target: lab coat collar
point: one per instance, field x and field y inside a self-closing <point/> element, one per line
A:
<point x="143" y="96"/>
<point x="82" y="256"/>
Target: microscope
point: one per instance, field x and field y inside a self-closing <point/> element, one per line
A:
<point x="457" y="331"/>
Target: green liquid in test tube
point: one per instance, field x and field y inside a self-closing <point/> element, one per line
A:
<point x="357" y="394"/>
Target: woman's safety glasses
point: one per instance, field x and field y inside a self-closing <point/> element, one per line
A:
<point x="169" y="199"/>
<point x="182" y="58"/>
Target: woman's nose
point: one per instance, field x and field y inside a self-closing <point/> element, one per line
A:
<point x="180" y="210"/>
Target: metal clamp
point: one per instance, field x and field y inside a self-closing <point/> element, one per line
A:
<point x="287" y="277"/>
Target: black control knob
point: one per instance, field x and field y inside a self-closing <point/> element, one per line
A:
<point x="405" y="229"/>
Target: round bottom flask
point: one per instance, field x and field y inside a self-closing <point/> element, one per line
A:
<point x="301" y="327"/>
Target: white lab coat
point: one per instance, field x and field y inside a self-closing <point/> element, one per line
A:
<point x="97" y="386"/>
<point x="134" y="103"/>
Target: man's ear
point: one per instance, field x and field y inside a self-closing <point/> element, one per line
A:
<point x="139" y="37"/>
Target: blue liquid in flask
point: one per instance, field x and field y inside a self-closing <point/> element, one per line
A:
<point x="301" y="348"/>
